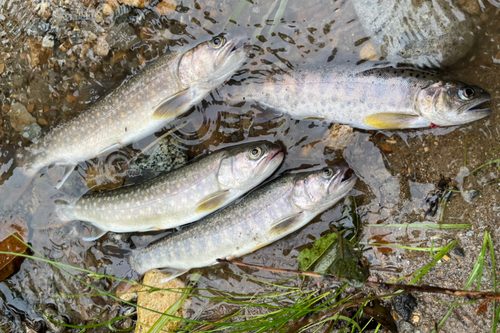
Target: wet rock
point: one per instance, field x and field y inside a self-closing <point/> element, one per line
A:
<point x="20" y="117"/>
<point x="59" y="17"/>
<point x="101" y="47"/>
<point x="52" y="313"/>
<point x="404" y="306"/>
<point x="39" y="54"/>
<point x="160" y="301"/>
<point x="135" y="3"/>
<point x="107" y="10"/>
<point x="166" y="7"/>
<point x="459" y="251"/>
<point x="430" y="33"/>
<point x="32" y="132"/>
<point x="165" y="156"/>
<point x="338" y="136"/>
<point x="122" y="37"/>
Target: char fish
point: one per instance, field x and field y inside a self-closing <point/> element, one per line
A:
<point x="178" y="197"/>
<point x="377" y="98"/>
<point x="138" y="107"/>
<point x="267" y="214"/>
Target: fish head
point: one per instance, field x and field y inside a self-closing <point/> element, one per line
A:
<point x="246" y="166"/>
<point x="450" y="102"/>
<point x="321" y="189"/>
<point x="211" y="63"/>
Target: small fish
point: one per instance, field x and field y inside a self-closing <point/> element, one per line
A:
<point x="182" y="196"/>
<point x="139" y="107"/>
<point x="267" y="214"/>
<point x="377" y="98"/>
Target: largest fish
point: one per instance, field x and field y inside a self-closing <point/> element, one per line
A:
<point x="266" y="215"/>
<point x="141" y="105"/>
<point x="366" y="98"/>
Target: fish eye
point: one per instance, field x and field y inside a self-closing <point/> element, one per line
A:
<point x="217" y="42"/>
<point x="466" y="93"/>
<point x="327" y="173"/>
<point x="255" y="152"/>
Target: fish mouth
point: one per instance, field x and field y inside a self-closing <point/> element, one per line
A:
<point x="345" y="180"/>
<point x="474" y="112"/>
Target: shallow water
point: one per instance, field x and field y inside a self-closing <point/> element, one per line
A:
<point x="397" y="169"/>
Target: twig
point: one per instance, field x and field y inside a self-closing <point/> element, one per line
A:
<point x="385" y="286"/>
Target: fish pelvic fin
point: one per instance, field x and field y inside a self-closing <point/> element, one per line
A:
<point x="396" y="121"/>
<point x="95" y="233"/>
<point x="286" y="225"/>
<point x="173" y="273"/>
<point x="212" y="202"/>
<point x="173" y="106"/>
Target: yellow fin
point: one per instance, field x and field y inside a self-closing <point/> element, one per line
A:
<point x="395" y="121"/>
<point x="286" y="224"/>
<point x="173" y="106"/>
<point x="212" y="202"/>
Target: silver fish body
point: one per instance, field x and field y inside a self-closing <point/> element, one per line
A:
<point x="376" y="98"/>
<point x="264" y="216"/>
<point x="181" y="196"/>
<point x="141" y="105"/>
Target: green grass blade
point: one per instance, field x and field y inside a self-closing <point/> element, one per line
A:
<point x="423" y="225"/>
<point x="425" y="249"/>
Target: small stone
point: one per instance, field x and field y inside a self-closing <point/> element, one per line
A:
<point x="43" y="122"/>
<point x="404" y="305"/>
<point x="48" y="41"/>
<point x="497" y="58"/>
<point x="166" y="7"/>
<point x="471" y="6"/>
<point x="385" y="147"/>
<point x="32" y="132"/>
<point x="2" y="67"/>
<point x="426" y="149"/>
<point x="31" y="108"/>
<point x="20" y="117"/>
<point x="107" y="9"/>
<point x="101" y="47"/>
<point x="6" y="108"/>
<point x="99" y="16"/>
<point x="44" y="10"/>
<point x="368" y="52"/>
<point x="416" y="319"/>
<point x="446" y="258"/>
<point x="459" y="251"/>
<point x="338" y="136"/>
<point x="135" y="3"/>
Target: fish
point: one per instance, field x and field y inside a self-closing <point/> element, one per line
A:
<point x="178" y="197"/>
<point x="138" y="107"/>
<point x="266" y="215"/>
<point x="374" y="98"/>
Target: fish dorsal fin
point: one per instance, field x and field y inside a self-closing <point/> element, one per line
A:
<point x="95" y="233"/>
<point x="173" y="106"/>
<point x="396" y="121"/>
<point x="212" y="202"/>
<point x="286" y="225"/>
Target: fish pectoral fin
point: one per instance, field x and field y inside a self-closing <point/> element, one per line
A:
<point x="173" y="106"/>
<point x="95" y="233"/>
<point x="212" y="202"/>
<point x="286" y="224"/>
<point x="396" y="121"/>
<point x="173" y="273"/>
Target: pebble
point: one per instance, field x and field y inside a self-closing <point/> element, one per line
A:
<point x="48" y="41"/>
<point x="368" y="52"/>
<point x="107" y="10"/>
<point x="166" y="7"/>
<point x="426" y="149"/>
<point x="20" y="117"/>
<point x="135" y="3"/>
<point x="2" y="67"/>
<point x="101" y="47"/>
<point x="32" y="132"/>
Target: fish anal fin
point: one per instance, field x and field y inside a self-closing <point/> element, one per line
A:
<point x="109" y="149"/>
<point x="95" y="233"/>
<point x="396" y="121"/>
<point x="173" y="106"/>
<point x="287" y="224"/>
<point x="173" y="273"/>
<point x="68" y="169"/>
<point x="212" y="202"/>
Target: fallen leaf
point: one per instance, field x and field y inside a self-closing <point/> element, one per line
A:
<point x="9" y="264"/>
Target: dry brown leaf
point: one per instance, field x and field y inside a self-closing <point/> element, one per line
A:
<point x="9" y="264"/>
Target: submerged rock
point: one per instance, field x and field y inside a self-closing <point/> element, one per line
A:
<point x="165" y="156"/>
<point x="20" y="117"/>
<point x="32" y="132"/>
<point x="423" y="32"/>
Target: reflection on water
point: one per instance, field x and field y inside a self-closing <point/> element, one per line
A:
<point x="55" y="58"/>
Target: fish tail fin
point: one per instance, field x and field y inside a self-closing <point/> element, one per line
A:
<point x="54" y="210"/>
<point x="14" y="187"/>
